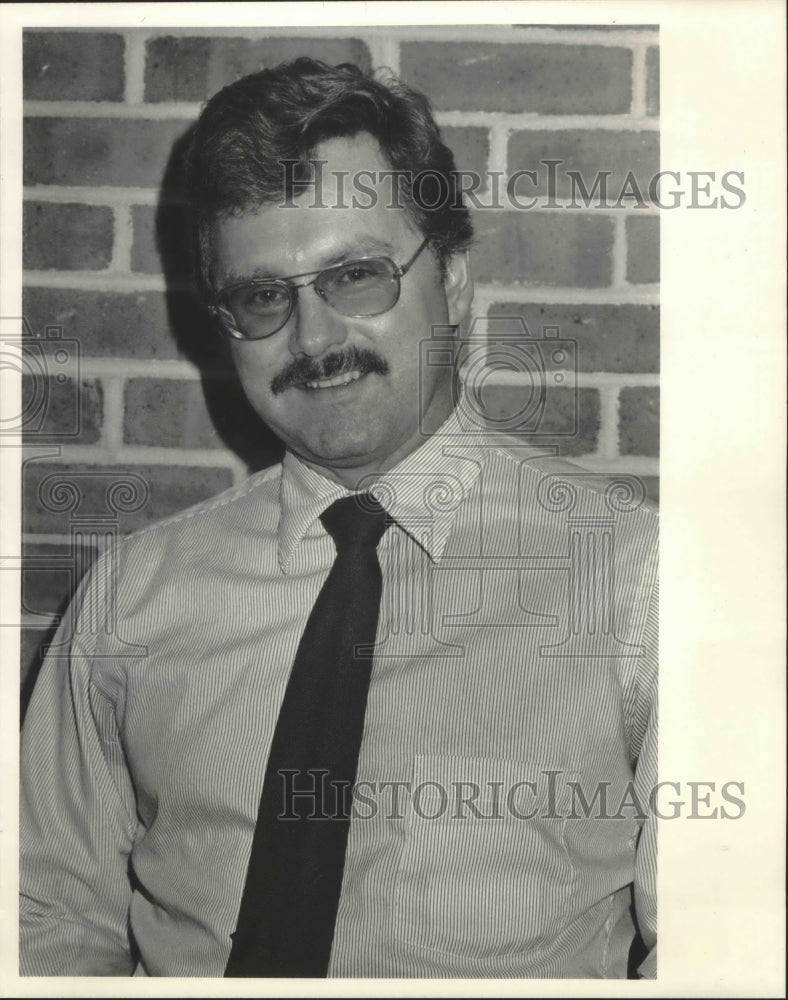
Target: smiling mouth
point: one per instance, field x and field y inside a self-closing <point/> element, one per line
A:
<point x="333" y="383"/>
<point x="337" y="370"/>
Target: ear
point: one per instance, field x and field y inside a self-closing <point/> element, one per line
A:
<point x="458" y="284"/>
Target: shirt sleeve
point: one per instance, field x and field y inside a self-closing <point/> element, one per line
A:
<point x="77" y="815"/>
<point x="645" y="783"/>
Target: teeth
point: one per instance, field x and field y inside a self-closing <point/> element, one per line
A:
<point x="330" y="383"/>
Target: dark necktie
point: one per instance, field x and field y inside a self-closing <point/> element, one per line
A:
<point x="289" y="904"/>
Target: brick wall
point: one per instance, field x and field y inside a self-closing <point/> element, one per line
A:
<point x="149" y="400"/>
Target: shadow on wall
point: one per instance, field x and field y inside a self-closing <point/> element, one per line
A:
<point x="197" y="337"/>
<point x="238" y="426"/>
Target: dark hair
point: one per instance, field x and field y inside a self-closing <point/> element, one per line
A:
<point x="250" y="128"/>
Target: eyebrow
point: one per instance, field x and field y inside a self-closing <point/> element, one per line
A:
<point x="367" y="246"/>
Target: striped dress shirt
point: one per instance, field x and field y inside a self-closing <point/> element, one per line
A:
<point x="501" y="823"/>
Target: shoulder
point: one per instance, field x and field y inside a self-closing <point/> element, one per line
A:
<point x="562" y="486"/>
<point x="256" y="496"/>
<point x="555" y="505"/>
<point x="243" y="517"/>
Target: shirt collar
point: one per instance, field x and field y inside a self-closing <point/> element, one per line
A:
<point x="303" y="496"/>
<point x="422" y="494"/>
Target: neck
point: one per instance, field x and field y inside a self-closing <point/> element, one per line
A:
<point x="360" y="474"/>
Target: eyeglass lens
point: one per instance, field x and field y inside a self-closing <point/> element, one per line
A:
<point x="358" y="288"/>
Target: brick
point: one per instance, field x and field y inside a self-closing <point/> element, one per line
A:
<point x="72" y="66"/>
<point x="642" y="249"/>
<point x="61" y="412"/>
<point x="50" y="574"/>
<point x="168" y="489"/>
<point x="169" y="413"/>
<point x="193" y="69"/>
<point x="67" y="237"/>
<point x="87" y="151"/>
<point x="151" y="325"/>
<point x="213" y="413"/>
<point x="543" y="248"/>
<point x="652" y="487"/>
<point x="652" y="80"/>
<point x="471" y="147"/>
<point x="145" y="254"/>
<point x="570" y="420"/>
<point x="639" y="421"/>
<point x="541" y="79"/>
<point x="589" y="153"/>
<point x="162" y="241"/>
<point x="608" y="338"/>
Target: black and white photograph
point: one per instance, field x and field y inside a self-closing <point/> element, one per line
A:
<point x="337" y="502"/>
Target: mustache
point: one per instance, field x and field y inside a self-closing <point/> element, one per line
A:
<point x="301" y="370"/>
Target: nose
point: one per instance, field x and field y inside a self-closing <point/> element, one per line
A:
<point x="314" y="325"/>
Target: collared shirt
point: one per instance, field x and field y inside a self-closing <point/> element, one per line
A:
<point x="501" y="823"/>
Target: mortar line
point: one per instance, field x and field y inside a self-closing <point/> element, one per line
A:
<point x="187" y="111"/>
<point x="114" y="413"/>
<point x="104" y="281"/>
<point x="619" y="278"/>
<point x="502" y="33"/>
<point x="607" y="444"/>
<point x="137" y="455"/>
<point x="384" y="52"/>
<point x="134" y="66"/>
<point x="639" y="78"/>
<point x="123" y="237"/>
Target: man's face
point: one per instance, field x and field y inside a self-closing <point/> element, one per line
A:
<point x="366" y="423"/>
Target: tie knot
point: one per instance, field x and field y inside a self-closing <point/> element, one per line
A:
<point x="357" y="520"/>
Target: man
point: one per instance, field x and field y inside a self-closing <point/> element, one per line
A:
<point x="479" y="671"/>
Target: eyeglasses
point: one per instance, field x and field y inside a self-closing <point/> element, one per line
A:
<point x="252" y="310"/>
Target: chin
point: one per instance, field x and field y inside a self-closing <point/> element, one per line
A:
<point x="349" y="439"/>
<point x="345" y="454"/>
<point x="359" y="449"/>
